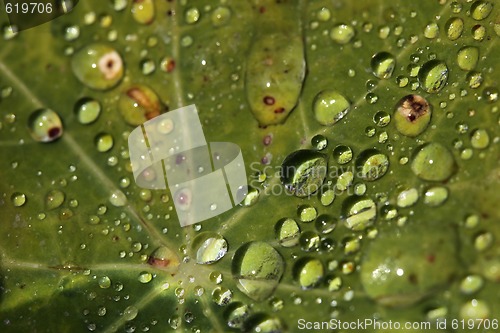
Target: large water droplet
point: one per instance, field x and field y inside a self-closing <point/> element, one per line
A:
<point x="433" y="76"/>
<point x="257" y="268"/>
<point x="308" y="272"/>
<point x="383" y="64"/>
<point x="412" y="115"/>
<point x="98" y="66"/>
<point x="236" y="314"/>
<point x="287" y="232"/>
<point x="209" y="247"/>
<point x="481" y="9"/>
<point x="372" y="164"/>
<point x="454" y="28"/>
<point x="435" y="196"/>
<point x="139" y="103"/>
<point x="342" y="33"/>
<point x="303" y="172"/>
<point x="468" y="57"/>
<point x="330" y="106"/>
<point x="18" y="199"/>
<point x="359" y="212"/>
<point x="480" y="139"/>
<point x="45" y="125"/>
<point x="433" y="162"/>
<point x="192" y="15"/>
<point x="143" y="11"/>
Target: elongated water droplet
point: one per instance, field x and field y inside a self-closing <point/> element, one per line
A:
<point x="407" y="197"/>
<point x="435" y="196"/>
<point x="330" y="106"/>
<point x="308" y="272"/>
<point x="87" y="110"/>
<point x="372" y="164"/>
<point x="433" y="162"/>
<point x="342" y="33"/>
<point x="257" y="267"/>
<point x="98" y="66"/>
<point x="45" y="125"/>
<point x="454" y="28"/>
<point x="138" y="104"/>
<point x="468" y="57"/>
<point x="303" y="172"/>
<point x="433" y="76"/>
<point x="287" y="232"/>
<point x="104" y="142"/>
<point x="358" y="212"/>
<point x="481" y="9"/>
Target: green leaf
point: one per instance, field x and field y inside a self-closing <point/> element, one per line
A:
<point x="82" y="248"/>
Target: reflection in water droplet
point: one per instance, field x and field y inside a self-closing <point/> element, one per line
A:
<point x="325" y="224"/>
<point x="309" y="241"/>
<point x="45" y="125"/>
<point x="303" y="172"/>
<point x="342" y="33"/>
<point x="287" y="232"/>
<point x="138" y="104"/>
<point x="236" y="314"/>
<point x="87" y="110"/>
<point x="308" y="272"/>
<point x="209" y="247"/>
<point x="342" y="154"/>
<point x="412" y="115"/>
<point x="481" y="10"/>
<point x="222" y="296"/>
<point x="257" y="268"/>
<point x="474" y="79"/>
<point x="319" y="142"/>
<point x="454" y="28"/>
<point x="433" y="162"/>
<point x="383" y="64"/>
<point x="433" y="76"/>
<point x="98" y="66"/>
<point x="381" y="118"/>
<point x="104" y="282"/>
<point x="330" y="106"/>
<point x="359" y="212"/>
<point x="372" y="164"/>
<point x="431" y="30"/>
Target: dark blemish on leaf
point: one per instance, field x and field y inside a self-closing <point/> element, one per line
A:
<point x="157" y="262"/>
<point x="413" y="107"/>
<point x="279" y="110"/>
<point x="262" y="10"/>
<point x="431" y="258"/>
<point x="54" y="132"/>
<point x="412" y="278"/>
<point x="268" y="100"/>
<point x="268" y="139"/>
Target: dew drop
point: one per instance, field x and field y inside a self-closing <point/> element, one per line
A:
<point x="140" y="103"/>
<point x="104" y="282"/>
<point x="490" y="94"/>
<point x="45" y="125"/>
<point x="307" y="213"/>
<point x="435" y="196"/>
<point x="319" y="142"/>
<point x="383" y="64"/>
<point x="104" y="142"/>
<point x="342" y="154"/>
<point x="325" y="223"/>
<point x="454" y="28"/>
<point x="143" y="11"/>
<point x="431" y="30"/>
<point x="309" y="241"/>
<point x="209" y="247"/>
<point x="480" y="139"/>
<point x="220" y="16"/>
<point x="308" y="272"/>
<point x="330" y="106"/>
<point x="236" y="314"/>
<point x="54" y="199"/>
<point x="222" y="296"/>
<point x="381" y="118"/>
<point x="98" y="66"/>
<point x="192" y="15"/>
<point x="303" y="172"/>
<point x="130" y="313"/>
<point x="474" y="79"/>
<point x="481" y="10"/>
<point x="478" y="32"/>
<point x="412" y="115"/>
<point x="342" y="33"/>
<point x="118" y="198"/>
<point x="358" y="212"/>
<point x="18" y="199"/>
<point x="372" y="164"/>
<point x="145" y="277"/>
<point x="407" y="197"/>
<point x="468" y="57"/>
<point x="433" y="162"/>
<point x="287" y="232"/>
<point x="471" y="284"/>
<point x="257" y="267"/>
<point x="433" y="76"/>
<point x="87" y="110"/>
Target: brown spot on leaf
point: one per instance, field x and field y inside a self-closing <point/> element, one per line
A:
<point x="268" y="100"/>
<point x="413" y="107"/>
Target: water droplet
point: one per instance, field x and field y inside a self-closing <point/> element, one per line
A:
<point x="474" y="79"/>
<point x="71" y="32"/>
<point x="118" y="198"/>
<point x="468" y="57"/>
<point x="383" y="64"/>
<point x="309" y="241"/>
<point x="257" y="267"/>
<point x="104" y="282"/>
<point x="319" y="142"/>
<point x="433" y="162"/>
<point x="342" y="33"/>
<point x="192" y="15"/>
<point x="187" y="41"/>
<point x="481" y="10"/>
<point x="98" y="66"/>
<point x="54" y="199"/>
<point x="222" y="296"/>
<point x="236" y="314"/>
<point x="145" y="277"/>
<point x="422" y="264"/>
<point x="454" y="28"/>
<point x="209" y="247"/>
<point x="18" y="199"/>
<point x="45" y="125"/>
<point x="407" y="198"/>
<point x="303" y="172"/>
<point x="308" y="272"/>
<point x="325" y="224"/>
<point x="344" y="181"/>
<point x="381" y="118"/>
<point x="471" y="284"/>
<point x="431" y="30"/>
<point x="326" y="196"/>
<point x="87" y="110"/>
<point x="342" y="154"/>
<point x="163" y="257"/>
<point x="480" y="139"/>
<point x="307" y="213"/>
<point x="483" y="241"/>
<point x="140" y="103"/>
<point x="330" y="106"/>
<point x="435" y="196"/>
<point x="130" y="313"/>
<point x="358" y="213"/>
<point x="148" y="66"/>
<point x="433" y="76"/>
<point x="104" y="142"/>
<point x="412" y="115"/>
<point x="287" y="232"/>
<point x="251" y="197"/>
<point x="143" y="11"/>
<point x="263" y="323"/>
<point x="216" y="277"/>
<point x="220" y="16"/>
<point x="490" y="94"/>
<point x="372" y="164"/>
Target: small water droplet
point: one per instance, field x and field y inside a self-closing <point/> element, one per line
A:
<point x="257" y="268"/>
<point x="471" y="284"/>
<point x="342" y="154"/>
<point x="145" y="277"/>
<point x="372" y="164"/>
<point x="435" y="196"/>
<point x="130" y="313"/>
<point x="143" y="11"/>
<point x="54" y="199"/>
<point x="104" y="282"/>
<point x="303" y="172"/>
<point x="209" y="247"/>
<point x="358" y="212"/>
<point x="490" y="94"/>
<point x="454" y="28"/>
<point x="468" y="57"/>
<point x="307" y="213"/>
<point x="309" y="241"/>
<point x="325" y="224"/>
<point x="118" y="198"/>
<point x="287" y="232"/>
<point x="407" y="197"/>
<point x="192" y="15"/>
<point x="319" y="142"/>
<point x="45" y="125"/>
<point x="236" y="314"/>
<point x="308" y="272"/>
<point x="104" y="142"/>
<point x="474" y="79"/>
<point x="18" y="199"/>
<point x="222" y="296"/>
<point x="431" y="30"/>
<point x="330" y="106"/>
<point x="412" y="115"/>
<point x="480" y="139"/>
<point x="220" y="16"/>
